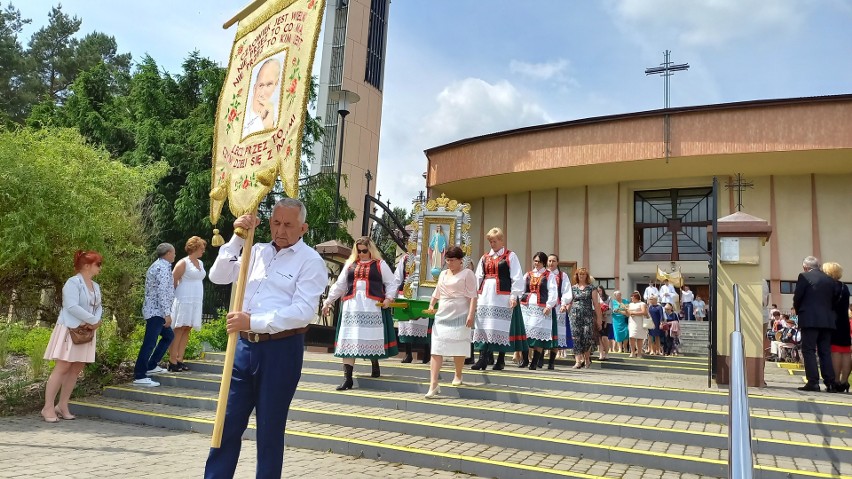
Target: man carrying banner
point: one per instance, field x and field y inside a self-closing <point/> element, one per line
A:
<point x="286" y="279"/>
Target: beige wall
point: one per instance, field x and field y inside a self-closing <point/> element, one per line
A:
<point x="792" y="231"/>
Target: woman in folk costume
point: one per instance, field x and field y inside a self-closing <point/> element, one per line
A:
<point x="537" y="302"/>
<point x="561" y="329"/>
<point x="364" y="329"/>
<point x="499" y="325"/>
<point x="415" y="331"/>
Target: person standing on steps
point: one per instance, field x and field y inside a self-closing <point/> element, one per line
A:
<point x="285" y="280"/>
<point x="157" y="311"/>
<point x="538" y="300"/>
<point x="364" y="330"/>
<point x="813" y="299"/>
<point x="499" y="324"/>
<point x="415" y="331"/>
<point x="562" y="331"/>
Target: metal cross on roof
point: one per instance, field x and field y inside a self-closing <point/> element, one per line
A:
<point x="666" y="69"/>
<point x="739" y="184"/>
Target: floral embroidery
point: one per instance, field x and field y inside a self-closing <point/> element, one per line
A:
<point x="245" y="181"/>
<point x="295" y="77"/>
<point x="233" y="111"/>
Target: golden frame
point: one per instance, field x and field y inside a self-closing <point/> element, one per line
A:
<point x="448" y="223"/>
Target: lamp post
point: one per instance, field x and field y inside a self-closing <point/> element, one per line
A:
<point x="345" y="99"/>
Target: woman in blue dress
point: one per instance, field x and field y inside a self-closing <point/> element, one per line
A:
<point x="655" y="335"/>
<point x="618" y="306"/>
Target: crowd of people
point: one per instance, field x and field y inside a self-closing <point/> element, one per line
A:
<point x="498" y="308"/>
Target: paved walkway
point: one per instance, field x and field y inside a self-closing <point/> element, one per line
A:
<point x="86" y="448"/>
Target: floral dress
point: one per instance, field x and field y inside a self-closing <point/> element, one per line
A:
<point x="582" y="318"/>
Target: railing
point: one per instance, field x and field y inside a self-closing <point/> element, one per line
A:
<point x="740" y="463"/>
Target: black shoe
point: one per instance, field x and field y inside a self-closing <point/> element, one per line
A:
<point x="174" y="368"/>
<point x="551" y="361"/>
<point x="534" y="362"/>
<point x="376" y="372"/>
<point x="482" y="363"/>
<point x="525" y="359"/>
<point x="182" y="366"/>
<point x="490" y="357"/>
<point x="810" y="387"/>
<point x="832" y="388"/>
<point x="540" y="360"/>
<point x="347" y="375"/>
<point x="408" y="358"/>
<point x="501" y="362"/>
<point x="427" y="356"/>
<point x="469" y="360"/>
<point x="843" y="387"/>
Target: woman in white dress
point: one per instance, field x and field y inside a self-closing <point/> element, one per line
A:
<point x="189" y="298"/>
<point x="637" y="311"/>
<point x="456" y="295"/>
<point x="81" y="305"/>
<point x="364" y="330"/>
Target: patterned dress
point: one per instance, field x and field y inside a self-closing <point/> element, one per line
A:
<point x="582" y="318"/>
<point x="538" y="326"/>
<point x="498" y="326"/>
<point x="415" y="331"/>
<point x="364" y="329"/>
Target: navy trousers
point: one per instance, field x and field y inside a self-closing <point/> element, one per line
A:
<point x="152" y="350"/>
<point x="264" y="379"/>
<point x="816" y="342"/>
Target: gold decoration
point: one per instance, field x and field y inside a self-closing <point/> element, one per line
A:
<point x="466" y="208"/>
<point x="442" y="201"/>
<point x="465" y="227"/>
<point x="431" y="205"/>
<point x="452" y="205"/>
<point x="406" y="291"/>
<point x="217" y="239"/>
<point x="411" y="247"/>
<point x="246" y="161"/>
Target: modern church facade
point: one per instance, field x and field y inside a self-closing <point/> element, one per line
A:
<point x="600" y="192"/>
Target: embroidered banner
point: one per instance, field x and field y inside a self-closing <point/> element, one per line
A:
<point x="262" y="107"/>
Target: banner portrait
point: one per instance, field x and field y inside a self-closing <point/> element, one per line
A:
<point x="262" y="106"/>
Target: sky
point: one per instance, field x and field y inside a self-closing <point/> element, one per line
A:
<point x="461" y="68"/>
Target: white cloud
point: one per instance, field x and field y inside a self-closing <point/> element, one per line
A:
<point x="463" y="109"/>
<point x="708" y="22"/>
<point x="554" y="70"/>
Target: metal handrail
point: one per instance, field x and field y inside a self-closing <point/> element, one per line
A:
<point x="740" y="458"/>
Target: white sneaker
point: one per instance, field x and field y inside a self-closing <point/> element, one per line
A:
<point x="157" y="370"/>
<point x="147" y="382"/>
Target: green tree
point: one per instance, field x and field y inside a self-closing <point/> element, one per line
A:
<point x="64" y="195"/>
<point x="384" y="238"/>
<point x="12" y="65"/>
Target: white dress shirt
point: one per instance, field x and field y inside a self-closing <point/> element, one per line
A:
<point x="667" y="294"/>
<point x="567" y="291"/>
<point x="686" y="296"/>
<point x="283" y="288"/>
<point x="552" y="288"/>
<point x="650" y="291"/>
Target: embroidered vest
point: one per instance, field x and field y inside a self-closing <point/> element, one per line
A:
<point x="371" y="273"/>
<point x="497" y="268"/>
<point x="537" y="286"/>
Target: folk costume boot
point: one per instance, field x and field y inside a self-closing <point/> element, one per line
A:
<point x="540" y="360"/>
<point x="501" y="362"/>
<point x="525" y="359"/>
<point x="376" y="371"/>
<point x="534" y="362"/>
<point x="426" y="353"/>
<point x="408" y="357"/>
<point x="347" y="378"/>
<point x="552" y="361"/>
<point x="483" y="361"/>
<point x="490" y="357"/>
<point x="469" y="359"/>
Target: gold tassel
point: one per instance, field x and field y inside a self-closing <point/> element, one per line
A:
<point x="217" y="240"/>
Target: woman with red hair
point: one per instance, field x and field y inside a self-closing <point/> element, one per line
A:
<point x="81" y="305"/>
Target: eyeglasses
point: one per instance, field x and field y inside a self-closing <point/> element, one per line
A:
<point x="363" y="251"/>
<point x="536" y="261"/>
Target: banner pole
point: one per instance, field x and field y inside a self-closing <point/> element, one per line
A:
<point x="227" y="368"/>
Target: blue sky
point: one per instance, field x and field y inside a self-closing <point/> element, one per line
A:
<point x="459" y="68"/>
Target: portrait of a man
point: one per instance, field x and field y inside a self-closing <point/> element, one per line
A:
<point x="264" y="95"/>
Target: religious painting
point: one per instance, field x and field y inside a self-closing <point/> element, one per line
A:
<point x="264" y="98"/>
<point x="438" y="224"/>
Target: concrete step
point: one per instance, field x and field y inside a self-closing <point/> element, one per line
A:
<point x="554" y="422"/>
<point x="423" y="451"/>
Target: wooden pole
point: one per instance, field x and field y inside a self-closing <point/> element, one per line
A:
<point x="227" y="368"/>
<point x="243" y="13"/>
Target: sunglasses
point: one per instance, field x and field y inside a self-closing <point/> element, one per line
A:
<point x="363" y="251"/>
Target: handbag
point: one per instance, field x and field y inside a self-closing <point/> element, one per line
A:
<point x="81" y="334"/>
<point x="647" y="322"/>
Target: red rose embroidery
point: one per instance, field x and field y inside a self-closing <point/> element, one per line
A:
<point x="245" y="183"/>
<point x="287" y="151"/>
<point x="232" y="114"/>
<point x="292" y="89"/>
<point x="311" y="4"/>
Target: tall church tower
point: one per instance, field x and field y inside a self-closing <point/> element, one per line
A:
<point x="353" y="58"/>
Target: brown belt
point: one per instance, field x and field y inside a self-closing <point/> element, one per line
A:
<point x="261" y="337"/>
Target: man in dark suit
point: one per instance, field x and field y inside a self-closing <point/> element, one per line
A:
<point x="813" y="301"/>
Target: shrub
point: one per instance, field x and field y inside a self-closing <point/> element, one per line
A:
<point x="4" y="345"/>
<point x="213" y="332"/>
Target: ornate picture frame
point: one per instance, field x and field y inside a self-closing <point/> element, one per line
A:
<point x="439" y="223"/>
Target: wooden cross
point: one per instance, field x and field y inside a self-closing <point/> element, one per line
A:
<point x="739" y="185"/>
